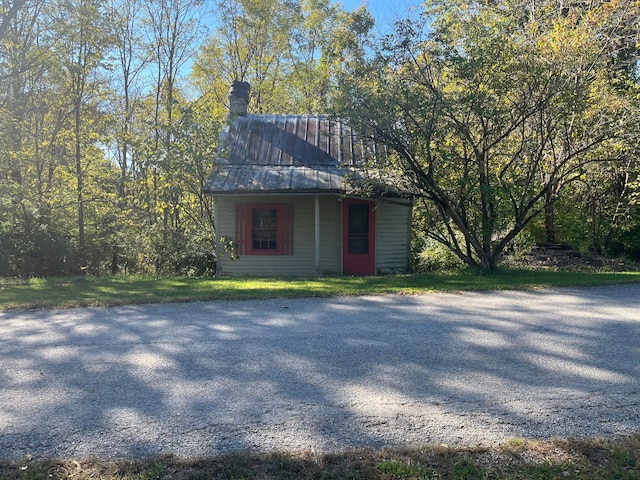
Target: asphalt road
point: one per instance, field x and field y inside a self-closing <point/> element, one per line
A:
<point x="323" y="374"/>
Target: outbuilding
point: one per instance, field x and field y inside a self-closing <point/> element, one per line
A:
<point x="289" y="198"/>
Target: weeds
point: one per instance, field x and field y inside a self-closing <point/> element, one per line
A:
<point x="595" y="459"/>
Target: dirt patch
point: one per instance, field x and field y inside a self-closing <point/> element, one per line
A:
<point x="562" y="257"/>
<point x="584" y="459"/>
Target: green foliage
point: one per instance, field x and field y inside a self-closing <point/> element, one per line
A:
<point x="284" y="49"/>
<point x="431" y="256"/>
<point x="40" y="253"/>
<point x="494" y="113"/>
<point x="228" y="246"/>
<point x="89" y="184"/>
<point x="627" y="243"/>
<point x="490" y="111"/>
<point x="596" y="215"/>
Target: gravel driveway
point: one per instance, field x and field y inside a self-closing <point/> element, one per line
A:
<point x="324" y="374"/>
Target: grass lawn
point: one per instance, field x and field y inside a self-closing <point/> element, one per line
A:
<point x="120" y="290"/>
<point x="586" y="459"/>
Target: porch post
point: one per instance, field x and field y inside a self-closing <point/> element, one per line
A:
<point x="317" y="232"/>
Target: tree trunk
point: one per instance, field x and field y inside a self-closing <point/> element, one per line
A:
<point x="114" y="263"/>
<point x="80" y="190"/>
<point x="550" y="230"/>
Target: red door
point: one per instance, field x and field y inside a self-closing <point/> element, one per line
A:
<point x="358" y="242"/>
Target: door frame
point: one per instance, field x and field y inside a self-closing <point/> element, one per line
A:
<point x="358" y="264"/>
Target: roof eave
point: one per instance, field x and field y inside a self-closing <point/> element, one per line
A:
<point x="275" y="192"/>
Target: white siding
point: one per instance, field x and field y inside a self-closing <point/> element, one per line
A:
<point x="302" y="262"/>
<point x="393" y="237"/>
<point x="330" y="235"/>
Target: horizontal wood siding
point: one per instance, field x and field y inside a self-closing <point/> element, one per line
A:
<point x="302" y="262"/>
<point x="330" y="235"/>
<point x="392" y="237"/>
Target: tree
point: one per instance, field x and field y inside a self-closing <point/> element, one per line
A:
<point x="490" y="112"/>
<point x="251" y="43"/>
<point x="282" y="48"/>
<point x="101" y="164"/>
<point x="597" y="209"/>
<point x="131" y="57"/>
<point x="174" y="28"/>
<point x="8" y="13"/>
<point x="83" y="37"/>
<point x="33" y="233"/>
<point x="131" y="60"/>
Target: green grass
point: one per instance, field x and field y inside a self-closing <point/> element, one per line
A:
<point x="594" y="459"/>
<point x="120" y="290"/>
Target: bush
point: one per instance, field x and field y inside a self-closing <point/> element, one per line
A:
<point x="41" y="253"/>
<point x="196" y="264"/>
<point x="433" y="257"/>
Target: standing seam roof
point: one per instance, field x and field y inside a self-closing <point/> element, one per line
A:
<point x="275" y="153"/>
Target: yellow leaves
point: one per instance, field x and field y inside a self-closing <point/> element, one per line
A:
<point x="566" y="39"/>
<point x="588" y="31"/>
<point x="162" y="207"/>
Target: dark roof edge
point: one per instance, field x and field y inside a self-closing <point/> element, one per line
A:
<point x="274" y="192"/>
<point x="394" y="198"/>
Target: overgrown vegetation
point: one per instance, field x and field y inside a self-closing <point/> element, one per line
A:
<point x="110" y="113"/>
<point x="501" y="116"/>
<point x="505" y="116"/>
<point x="589" y="459"/>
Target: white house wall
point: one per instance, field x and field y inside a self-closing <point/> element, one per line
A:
<point x="392" y="237"/>
<point x="302" y="262"/>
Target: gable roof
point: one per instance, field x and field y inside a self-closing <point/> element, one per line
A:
<point x="286" y="154"/>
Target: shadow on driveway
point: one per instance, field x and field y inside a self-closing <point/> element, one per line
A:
<point x="324" y="374"/>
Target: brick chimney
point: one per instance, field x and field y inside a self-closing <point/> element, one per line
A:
<point x="238" y="98"/>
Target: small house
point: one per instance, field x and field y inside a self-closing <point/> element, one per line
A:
<point x="288" y="197"/>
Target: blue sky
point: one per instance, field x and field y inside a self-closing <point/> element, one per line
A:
<point x="386" y="12"/>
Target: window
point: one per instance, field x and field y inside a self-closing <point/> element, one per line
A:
<point x="359" y="228"/>
<point x="264" y="229"/>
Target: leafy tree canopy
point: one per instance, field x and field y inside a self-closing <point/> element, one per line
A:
<point x="491" y="109"/>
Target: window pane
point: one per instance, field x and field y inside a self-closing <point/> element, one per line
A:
<point x="359" y="228"/>
<point x="264" y="232"/>
<point x="358" y="245"/>
<point x="359" y="218"/>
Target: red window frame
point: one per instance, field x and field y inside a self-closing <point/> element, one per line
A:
<point x="247" y="230"/>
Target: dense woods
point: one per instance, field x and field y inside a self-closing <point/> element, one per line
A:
<point x="511" y="122"/>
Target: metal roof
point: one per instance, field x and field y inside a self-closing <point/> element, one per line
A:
<point x="287" y="153"/>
